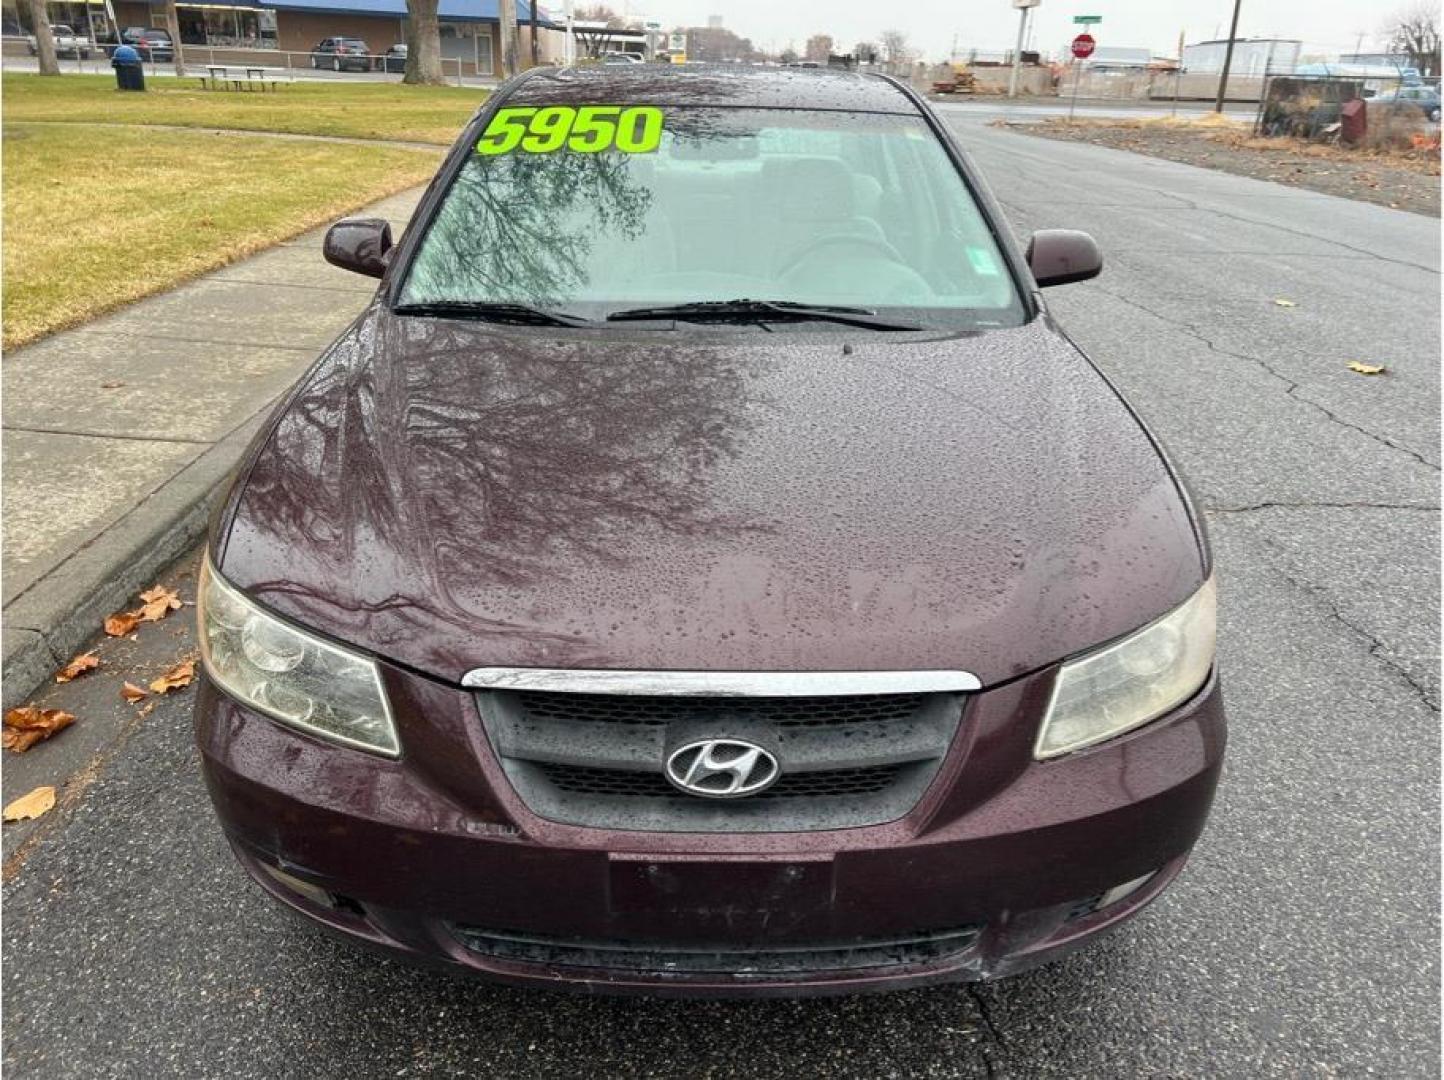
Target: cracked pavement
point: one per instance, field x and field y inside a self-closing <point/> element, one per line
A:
<point x="1301" y="941"/>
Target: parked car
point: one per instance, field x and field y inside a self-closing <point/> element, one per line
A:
<point x="152" y="44"/>
<point x="67" y="43"/>
<point x="1424" y="99"/>
<point x="342" y="54"/>
<point x="621" y="58"/>
<point x="394" y="59"/>
<point x="705" y="567"/>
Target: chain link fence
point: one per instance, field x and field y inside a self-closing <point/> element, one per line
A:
<point x="1371" y="110"/>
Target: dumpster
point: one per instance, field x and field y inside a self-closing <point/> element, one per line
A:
<point x="129" y="74"/>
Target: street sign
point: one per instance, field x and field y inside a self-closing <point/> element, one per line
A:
<point x="1083" y="46"/>
<point x="1086" y="20"/>
<point x="1026" y="3"/>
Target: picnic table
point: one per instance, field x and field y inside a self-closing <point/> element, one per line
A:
<point x="243" y="77"/>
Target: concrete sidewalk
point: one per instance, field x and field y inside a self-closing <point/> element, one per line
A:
<point x="119" y="434"/>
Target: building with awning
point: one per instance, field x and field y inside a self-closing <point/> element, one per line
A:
<point x="468" y="27"/>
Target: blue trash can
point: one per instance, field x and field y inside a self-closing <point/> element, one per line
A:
<point x="129" y="74"/>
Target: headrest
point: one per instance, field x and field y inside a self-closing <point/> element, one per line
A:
<point x="809" y="189"/>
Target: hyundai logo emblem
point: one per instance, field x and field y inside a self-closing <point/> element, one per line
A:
<point x="722" y="768"/>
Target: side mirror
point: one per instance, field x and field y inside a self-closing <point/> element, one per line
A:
<point x="1061" y="256"/>
<point x="359" y="244"/>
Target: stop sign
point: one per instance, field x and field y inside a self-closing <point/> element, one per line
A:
<point x="1083" y="46"/>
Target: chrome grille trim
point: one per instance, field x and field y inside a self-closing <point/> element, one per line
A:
<point x="720" y="683"/>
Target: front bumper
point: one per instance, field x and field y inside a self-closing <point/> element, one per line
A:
<point x="999" y="866"/>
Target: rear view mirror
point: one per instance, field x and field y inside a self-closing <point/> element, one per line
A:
<point x="1061" y="256"/>
<point x="359" y="244"/>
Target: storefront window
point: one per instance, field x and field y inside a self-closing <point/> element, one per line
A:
<point x="236" y="28"/>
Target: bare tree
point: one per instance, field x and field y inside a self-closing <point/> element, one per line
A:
<point x="423" y="44"/>
<point x="895" y="49"/>
<point x="1414" y="32"/>
<point x="866" y="52"/>
<point x="596" y="39"/>
<point x="599" y="13"/>
<point x="172" y="26"/>
<point x="818" y="48"/>
<point x="44" y="42"/>
<point x="717" y="44"/>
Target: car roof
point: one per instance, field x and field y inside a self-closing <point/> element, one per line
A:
<point x="738" y="86"/>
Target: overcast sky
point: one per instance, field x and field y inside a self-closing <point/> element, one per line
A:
<point x="992" y="25"/>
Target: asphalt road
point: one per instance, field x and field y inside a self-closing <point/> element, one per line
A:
<point x="1301" y="941"/>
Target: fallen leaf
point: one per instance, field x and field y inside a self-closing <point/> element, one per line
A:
<point x="177" y="677"/>
<point x="79" y="666"/>
<point x="111" y="385"/>
<point x="27" y="725"/>
<point x="1281" y="302"/>
<point x="31" y="805"/>
<point x="122" y="623"/>
<point x="132" y="693"/>
<point x="1367" y="369"/>
<point x="146" y="708"/>
<point x="159" y="602"/>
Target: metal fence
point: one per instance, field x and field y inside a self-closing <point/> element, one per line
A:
<point x="272" y="63"/>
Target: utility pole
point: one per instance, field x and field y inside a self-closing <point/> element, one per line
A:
<point x="1018" y="51"/>
<point x="506" y="16"/>
<point x="1227" y="58"/>
<point x="535" y="44"/>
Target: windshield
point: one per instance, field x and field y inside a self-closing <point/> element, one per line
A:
<point x="815" y="208"/>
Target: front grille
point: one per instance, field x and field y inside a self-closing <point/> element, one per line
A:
<point x="785" y="712"/>
<point x="719" y="959"/>
<point x="584" y="781"/>
<point x="598" y="759"/>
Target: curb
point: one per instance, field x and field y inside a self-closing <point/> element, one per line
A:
<point x="49" y="623"/>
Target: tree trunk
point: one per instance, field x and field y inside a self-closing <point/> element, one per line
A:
<point x="423" y="44"/>
<point x="44" y="42"/>
<point x="172" y="24"/>
<point x="506" y="15"/>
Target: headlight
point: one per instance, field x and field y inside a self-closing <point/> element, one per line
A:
<point x="289" y="675"/>
<point x="1132" y="681"/>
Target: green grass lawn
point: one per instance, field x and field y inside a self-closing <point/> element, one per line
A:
<point x="433" y="114"/>
<point x="97" y="216"/>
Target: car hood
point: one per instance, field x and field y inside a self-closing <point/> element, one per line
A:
<point x="454" y="495"/>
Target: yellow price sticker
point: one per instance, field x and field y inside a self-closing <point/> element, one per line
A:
<point x="585" y="129"/>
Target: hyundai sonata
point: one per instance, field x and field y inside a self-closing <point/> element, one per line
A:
<point x="704" y="567"/>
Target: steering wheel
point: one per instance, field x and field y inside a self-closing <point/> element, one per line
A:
<point x="875" y="245"/>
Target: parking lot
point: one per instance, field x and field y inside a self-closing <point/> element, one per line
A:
<point x="1301" y="941"/>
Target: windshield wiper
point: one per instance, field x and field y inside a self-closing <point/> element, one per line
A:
<point x="762" y="311"/>
<point x="487" y="311"/>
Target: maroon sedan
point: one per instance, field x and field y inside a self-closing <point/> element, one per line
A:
<point x="705" y="567"/>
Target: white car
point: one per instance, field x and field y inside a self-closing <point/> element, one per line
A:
<point x="621" y="58"/>
<point x="67" y="42"/>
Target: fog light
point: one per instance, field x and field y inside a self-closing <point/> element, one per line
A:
<point x="314" y="893"/>
<point x="1118" y="892"/>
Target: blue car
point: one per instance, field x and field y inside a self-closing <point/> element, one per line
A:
<point x="1424" y="98"/>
